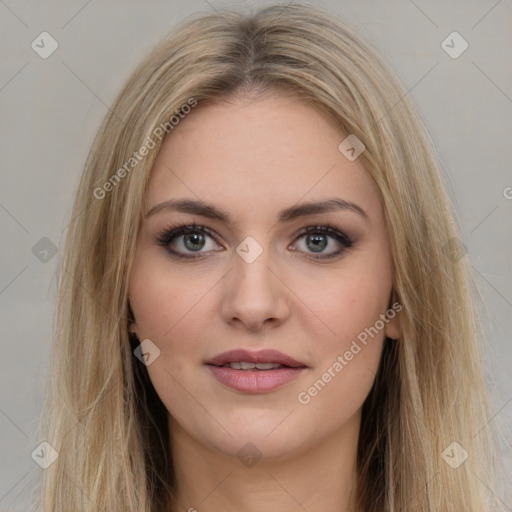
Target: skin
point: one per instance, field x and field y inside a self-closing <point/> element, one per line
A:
<point x="253" y="157"/>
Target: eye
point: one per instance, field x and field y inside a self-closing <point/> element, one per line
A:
<point x="184" y="240"/>
<point x="189" y="238"/>
<point x="317" y="238"/>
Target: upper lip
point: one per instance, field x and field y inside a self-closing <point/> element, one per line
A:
<point x="260" y="356"/>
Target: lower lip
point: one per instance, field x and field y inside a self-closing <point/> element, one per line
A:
<point x="254" y="381"/>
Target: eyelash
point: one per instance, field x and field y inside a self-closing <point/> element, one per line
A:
<point x="167" y="235"/>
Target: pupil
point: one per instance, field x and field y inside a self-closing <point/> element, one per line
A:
<point x="196" y="239"/>
<point x="319" y="241"/>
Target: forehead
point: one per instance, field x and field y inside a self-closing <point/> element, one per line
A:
<point x="258" y="156"/>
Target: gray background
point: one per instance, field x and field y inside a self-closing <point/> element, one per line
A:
<point x="51" y="109"/>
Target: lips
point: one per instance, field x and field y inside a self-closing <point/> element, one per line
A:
<point x="254" y="372"/>
<point x="259" y="358"/>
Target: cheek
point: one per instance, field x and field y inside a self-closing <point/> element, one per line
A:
<point x="162" y="299"/>
<point x="347" y="363"/>
<point x="348" y="354"/>
<point x="173" y="310"/>
<point x="167" y="309"/>
<point x="351" y="303"/>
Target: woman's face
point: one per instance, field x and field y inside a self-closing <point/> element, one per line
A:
<point x="250" y="277"/>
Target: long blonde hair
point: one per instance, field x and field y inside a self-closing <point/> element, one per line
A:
<point x="102" y="414"/>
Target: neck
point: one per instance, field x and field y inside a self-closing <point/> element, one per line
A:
<point x="321" y="478"/>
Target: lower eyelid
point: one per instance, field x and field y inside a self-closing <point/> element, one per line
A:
<point x="326" y="255"/>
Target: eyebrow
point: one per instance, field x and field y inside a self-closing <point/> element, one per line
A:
<point x="300" y="210"/>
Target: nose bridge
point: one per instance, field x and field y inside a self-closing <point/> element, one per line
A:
<point x="254" y="293"/>
<point x="253" y="266"/>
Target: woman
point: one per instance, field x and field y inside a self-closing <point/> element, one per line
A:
<point x="263" y="303"/>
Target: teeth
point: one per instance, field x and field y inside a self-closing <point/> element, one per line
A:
<point x="241" y="365"/>
<point x="268" y="366"/>
<point x="244" y="365"/>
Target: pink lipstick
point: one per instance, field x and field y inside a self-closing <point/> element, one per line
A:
<point x="254" y="372"/>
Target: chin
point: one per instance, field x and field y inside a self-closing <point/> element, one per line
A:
<point x="269" y="438"/>
<point x="250" y="450"/>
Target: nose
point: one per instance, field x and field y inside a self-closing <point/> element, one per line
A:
<point x="254" y="294"/>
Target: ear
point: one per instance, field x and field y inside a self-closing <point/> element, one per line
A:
<point x="393" y="329"/>
<point x="132" y="325"/>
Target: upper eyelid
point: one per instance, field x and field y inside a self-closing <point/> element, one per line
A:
<point x="193" y="227"/>
<point x="209" y="231"/>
